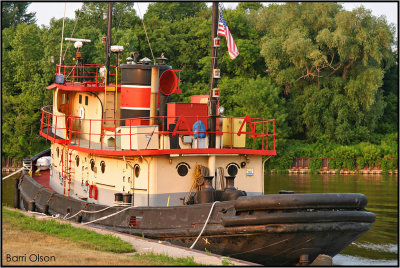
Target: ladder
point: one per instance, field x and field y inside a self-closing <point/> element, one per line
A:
<point x="67" y="170"/>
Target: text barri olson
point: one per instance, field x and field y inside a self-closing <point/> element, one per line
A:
<point x="34" y="257"/>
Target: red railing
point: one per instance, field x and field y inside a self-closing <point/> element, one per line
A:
<point x="88" y="74"/>
<point x="244" y="135"/>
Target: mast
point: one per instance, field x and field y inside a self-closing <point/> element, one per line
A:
<point x="108" y="51"/>
<point x="214" y="53"/>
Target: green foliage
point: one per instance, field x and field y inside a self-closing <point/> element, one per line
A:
<point x="315" y="164"/>
<point x="14" y="13"/>
<point x="163" y="260"/>
<point x="226" y="262"/>
<point x="332" y="80"/>
<point x="371" y="154"/>
<point x="343" y="157"/>
<point x="24" y="93"/>
<point x="258" y="98"/>
<point x="331" y="63"/>
<point x="88" y="239"/>
<point x="361" y="163"/>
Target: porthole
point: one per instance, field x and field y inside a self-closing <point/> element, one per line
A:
<point x="77" y="160"/>
<point x="137" y="170"/>
<point x="92" y="164"/>
<point x="123" y="179"/>
<point x="103" y="166"/>
<point x="129" y="179"/>
<point x="183" y="169"/>
<point x="233" y="169"/>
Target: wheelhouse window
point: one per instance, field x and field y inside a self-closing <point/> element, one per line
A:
<point x="65" y="98"/>
<point x="80" y="99"/>
<point x="86" y="100"/>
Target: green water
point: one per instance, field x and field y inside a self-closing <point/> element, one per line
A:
<point x="379" y="246"/>
<point x="7" y="190"/>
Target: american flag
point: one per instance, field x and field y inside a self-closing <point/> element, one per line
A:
<point x="223" y="30"/>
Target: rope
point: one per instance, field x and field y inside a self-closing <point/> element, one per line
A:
<point x="38" y="213"/>
<point x="219" y="180"/>
<point x="19" y="170"/>
<point x="89" y="211"/>
<point x="205" y="224"/>
<point x="199" y="173"/>
<point x="106" y="217"/>
<point x="148" y="41"/>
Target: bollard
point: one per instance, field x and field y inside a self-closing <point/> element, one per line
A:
<point x="303" y="260"/>
<point x="78" y="218"/>
<point x="46" y="209"/>
<point x="31" y="205"/>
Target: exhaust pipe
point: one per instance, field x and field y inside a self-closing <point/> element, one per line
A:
<point x="154" y="92"/>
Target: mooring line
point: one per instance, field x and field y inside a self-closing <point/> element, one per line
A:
<point x="19" y="170"/>
<point x="205" y="224"/>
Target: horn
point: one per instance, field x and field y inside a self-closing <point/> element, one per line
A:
<point x="168" y="82"/>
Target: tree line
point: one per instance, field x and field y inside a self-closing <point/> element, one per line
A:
<point x="329" y="77"/>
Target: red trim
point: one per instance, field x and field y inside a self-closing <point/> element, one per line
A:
<point x="52" y="86"/>
<point x="52" y="139"/>
<point x="174" y="151"/>
<point x="75" y="87"/>
<point x="108" y="128"/>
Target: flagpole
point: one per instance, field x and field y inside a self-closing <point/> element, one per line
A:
<point x="213" y="100"/>
<point x="108" y="44"/>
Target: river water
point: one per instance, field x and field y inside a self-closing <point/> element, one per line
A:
<point x="377" y="247"/>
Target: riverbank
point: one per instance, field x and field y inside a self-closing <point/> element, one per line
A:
<point x="54" y="238"/>
<point x="29" y="241"/>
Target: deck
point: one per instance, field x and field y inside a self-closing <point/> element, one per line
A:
<point x="43" y="178"/>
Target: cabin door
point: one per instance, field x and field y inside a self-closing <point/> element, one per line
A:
<point x="64" y="107"/>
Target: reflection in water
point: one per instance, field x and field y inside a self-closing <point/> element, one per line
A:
<point x="7" y="189"/>
<point x="377" y="246"/>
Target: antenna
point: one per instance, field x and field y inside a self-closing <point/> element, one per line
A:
<point x="77" y="39"/>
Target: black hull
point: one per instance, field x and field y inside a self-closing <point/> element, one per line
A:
<point x="270" y="230"/>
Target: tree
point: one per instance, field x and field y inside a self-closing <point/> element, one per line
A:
<point x="174" y="11"/>
<point x="330" y="64"/>
<point x="24" y="94"/>
<point x="14" y="13"/>
<point x="258" y="98"/>
<point x="390" y="120"/>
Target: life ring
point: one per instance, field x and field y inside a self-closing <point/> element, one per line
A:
<point x="82" y="112"/>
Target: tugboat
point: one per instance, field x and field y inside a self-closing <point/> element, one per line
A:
<point x="123" y="156"/>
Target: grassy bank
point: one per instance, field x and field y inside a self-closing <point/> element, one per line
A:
<point x="61" y="244"/>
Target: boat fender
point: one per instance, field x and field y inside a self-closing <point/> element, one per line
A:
<point x="202" y="129"/>
<point x="82" y="112"/>
<point x="93" y="192"/>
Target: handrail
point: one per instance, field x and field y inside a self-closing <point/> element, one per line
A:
<point x="91" y="133"/>
<point x="88" y="74"/>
